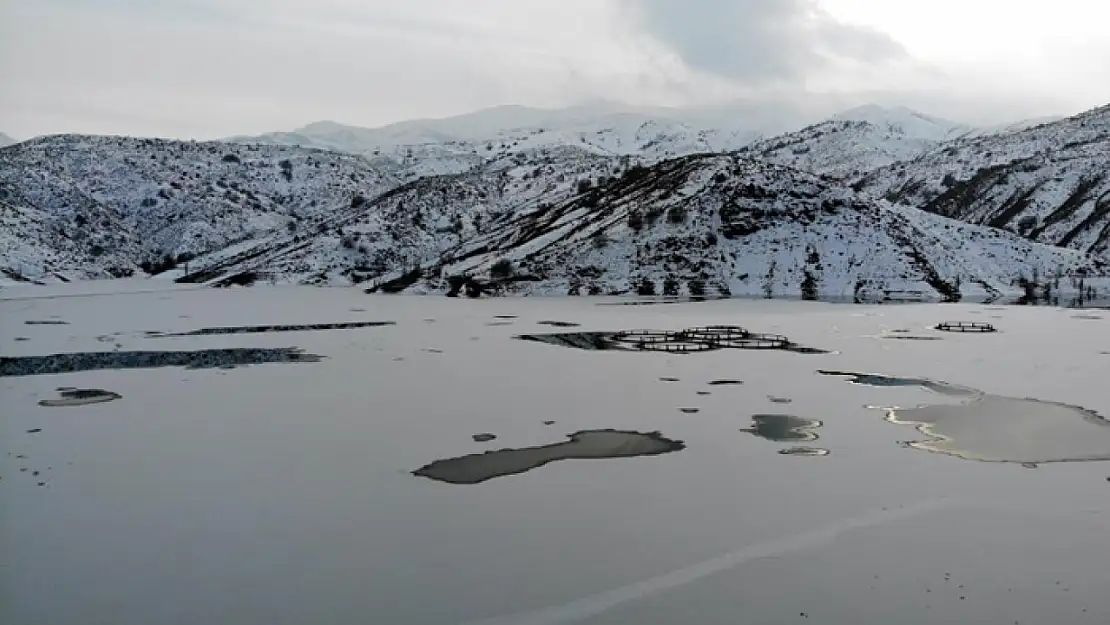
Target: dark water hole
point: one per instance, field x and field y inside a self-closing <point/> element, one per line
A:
<point x="312" y="327"/>
<point x="197" y="359"/>
<point x="870" y="379"/>
<point x="726" y="383"/>
<point x="804" y="451"/>
<point x="80" y="397"/>
<point x="46" y="322"/>
<point x="576" y="340"/>
<point x="585" y="445"/>
<point x="559" y="324"/>
<point x="783" y="428"/>
<point x="484" y="437"/>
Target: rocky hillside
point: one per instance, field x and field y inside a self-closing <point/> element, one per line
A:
<point x="704" y="224"/>
<point x="417" y="222"/>
<point x="1050" y="183"/>
<point x="174" y="197"/>
<point x="76" y="239"/>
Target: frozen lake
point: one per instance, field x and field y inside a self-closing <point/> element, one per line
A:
<point x="190" y="466"/>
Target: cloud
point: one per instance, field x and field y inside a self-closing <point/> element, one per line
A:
<point x="762" y="42"/>
<point x="210" y="68"/>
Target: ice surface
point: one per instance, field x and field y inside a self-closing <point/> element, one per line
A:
<point x="284" y="494"/>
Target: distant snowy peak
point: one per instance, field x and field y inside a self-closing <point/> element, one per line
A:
<point x="6" y="140"/>
<point x="867" y="138"/>
<point x="845" y="148"/>
<point x="907" y="122"/>
<point x="459" y="144"/>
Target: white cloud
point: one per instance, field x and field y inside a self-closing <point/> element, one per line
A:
<point x="210" y="68"/>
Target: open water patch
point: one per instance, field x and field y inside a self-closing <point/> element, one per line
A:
<point x="584" y="445"/>
<point x="995" y="428"/>
<point x="310" y="327"/>
<point x="46" y="322"/>
<point x="55" y="364"/>
<point x="782" y="428"/>
<point x="80" y="397"/>
<point x="576" y="340"/>
<point x="559" y="324"/>
<point x="804" y="451"/>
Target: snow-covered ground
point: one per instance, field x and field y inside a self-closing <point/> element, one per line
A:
<point x="283" y="493"/>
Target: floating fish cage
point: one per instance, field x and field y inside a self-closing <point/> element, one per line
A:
<point x="646" y="337"/>
<point x="965" y="326"/>
<point x="758" y="341"/>
<point x="678" y="347"/>
<point x="714" y="334"/>
<point x="700" y="339"/>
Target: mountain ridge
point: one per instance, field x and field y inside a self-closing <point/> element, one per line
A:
<point x="244" y="211"/>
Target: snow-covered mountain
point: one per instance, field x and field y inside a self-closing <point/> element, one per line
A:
<point x="602" y="206"/>
<point x="858" y="141"/>
<point x="1050" y="182"/>
<point x="692" y="225"/>
<point x="172" y="197"/>
<point x="6" y="140"/>
<point x="462" y="143"/>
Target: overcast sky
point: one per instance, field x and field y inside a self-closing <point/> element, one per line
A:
<point x="212" y="68"/>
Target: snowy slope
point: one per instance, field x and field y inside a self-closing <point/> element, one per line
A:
<point x="419" y="222"/>
<point x="5" y="140"/>
<point x="81" y="241"/>
<point x="740" y="226"/>
<point x="857" y="141"/>
<point x="706" y="223"/>
<point x="1050" y="182"/>
<point x="180" y="197"/>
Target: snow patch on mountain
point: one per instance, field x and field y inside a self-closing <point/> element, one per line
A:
<point x="6" y="140"/>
